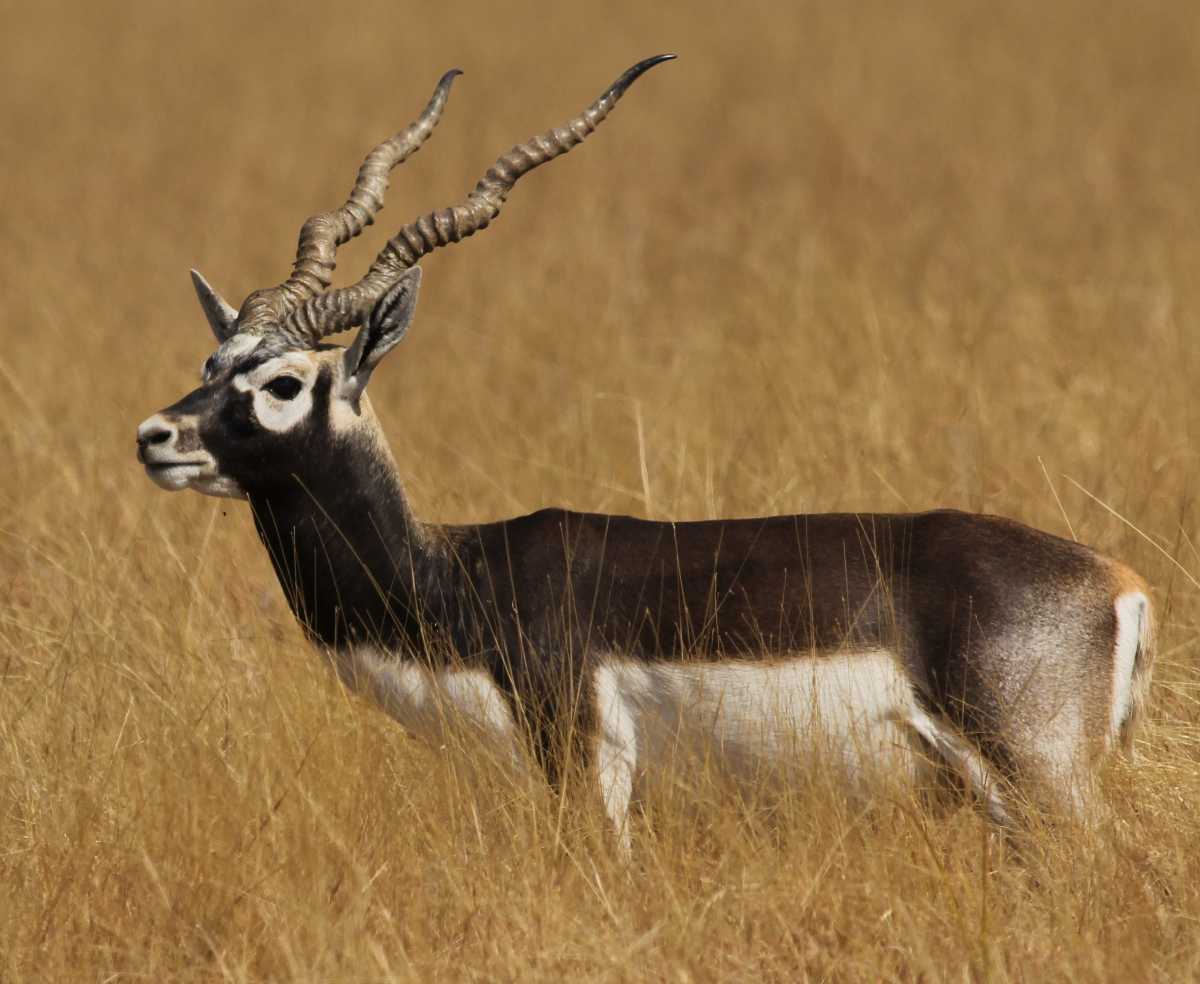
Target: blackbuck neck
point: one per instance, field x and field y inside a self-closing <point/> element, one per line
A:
<point x="355" y="565"/>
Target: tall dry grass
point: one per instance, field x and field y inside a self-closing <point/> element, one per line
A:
<point x="837" y="257"/>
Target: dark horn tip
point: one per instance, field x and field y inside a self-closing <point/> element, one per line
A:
<point x="631" y="74"/>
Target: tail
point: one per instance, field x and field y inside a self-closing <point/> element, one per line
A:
<point x="1132" y="666"/>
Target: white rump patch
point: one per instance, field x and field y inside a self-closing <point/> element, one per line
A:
<point x="1132" y="610"/>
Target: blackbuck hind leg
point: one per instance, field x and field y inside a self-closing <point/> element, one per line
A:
<point x="965" y="760"/>
<point x="1053" y="772"/>
<point x="1078" y="700"/>
<point x="1059" y="771"/>
<point x="616" y="752"/>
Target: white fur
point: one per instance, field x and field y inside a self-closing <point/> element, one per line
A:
<point x="218" y="485"/>
<point x="198" y="472"/>
<point x="1131" y="611"/>
<point x="753" y="713"/>
<point x="856" y="708"/>
<point x="229" y="352"/>
<point x="271" y="412"/>
<point x="170" y="470"/>
<point x="175" y="478"/>
<point x="965" y="759"/>
<point x="431" y="704"/>
<point x="344" y="418"/>
<point x="616" y="749"/>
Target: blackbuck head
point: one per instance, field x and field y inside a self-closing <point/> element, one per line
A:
<point x="273" y="393"/>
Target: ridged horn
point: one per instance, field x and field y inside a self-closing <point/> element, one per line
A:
<point x="337" y="310"/>
<point x="321" y="235"/>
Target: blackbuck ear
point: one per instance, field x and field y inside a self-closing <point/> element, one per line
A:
<point x="389" y="321"/>
<point x="222" y="317"/>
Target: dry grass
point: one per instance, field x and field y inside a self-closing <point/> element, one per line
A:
<point x="836" y="257"/>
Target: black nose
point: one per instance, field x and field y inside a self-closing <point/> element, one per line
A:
<point x="152" y="435"/>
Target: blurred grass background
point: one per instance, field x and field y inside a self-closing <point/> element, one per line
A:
<point x="838" y="256"/>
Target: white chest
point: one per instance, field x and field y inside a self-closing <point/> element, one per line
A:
<point x="431" y="703"/>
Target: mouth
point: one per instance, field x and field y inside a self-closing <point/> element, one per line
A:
<point x="201" y="475"/>
<point x="161" y="466"/>
<point x="173" y="475"/>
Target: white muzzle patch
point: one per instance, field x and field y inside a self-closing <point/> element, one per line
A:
<point x="171" y="467"/>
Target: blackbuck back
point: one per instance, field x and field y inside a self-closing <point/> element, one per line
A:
<point x="903" y="644"/>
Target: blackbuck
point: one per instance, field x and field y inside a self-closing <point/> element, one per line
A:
<point x="966" y="644"/>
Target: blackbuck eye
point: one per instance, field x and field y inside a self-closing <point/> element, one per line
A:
<point x="283" y="387"/>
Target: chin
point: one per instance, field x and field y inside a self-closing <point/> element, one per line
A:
<point x="173" y="478"/>
<point x="219" y="486"/>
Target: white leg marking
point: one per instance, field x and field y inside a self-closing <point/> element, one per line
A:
<point x="964" y="759"/>
<point x="616" y="751"/>
<point x="1132" y="612"/>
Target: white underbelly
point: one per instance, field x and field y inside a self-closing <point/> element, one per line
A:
<point x="850" y="710"/>
<point x="854" y="710"/>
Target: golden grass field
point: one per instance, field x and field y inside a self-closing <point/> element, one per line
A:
<point x="837" y="257"/>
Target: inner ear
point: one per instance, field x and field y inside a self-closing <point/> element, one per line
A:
<point x="388" y="323"/>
